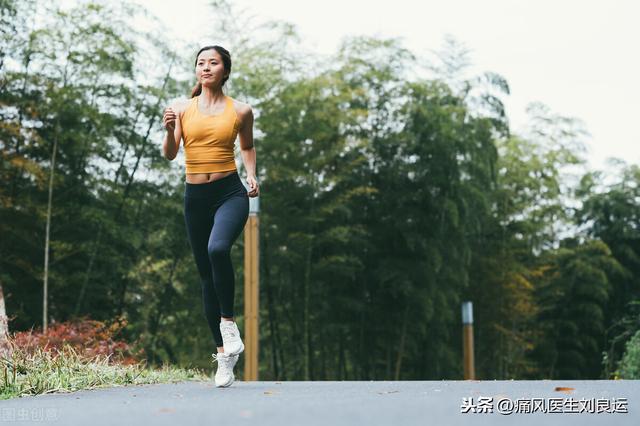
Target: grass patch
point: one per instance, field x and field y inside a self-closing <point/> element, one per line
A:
<point x="42" y="371"/>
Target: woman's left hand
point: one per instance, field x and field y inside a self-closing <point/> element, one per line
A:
<point x="254" y="191"/>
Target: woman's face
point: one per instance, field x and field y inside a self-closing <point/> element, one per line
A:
<point x="210" y="68"/>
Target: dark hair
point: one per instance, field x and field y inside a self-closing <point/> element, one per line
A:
<point x="226" y="60"/>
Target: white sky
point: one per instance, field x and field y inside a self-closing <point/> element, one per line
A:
<point x="581" y="58"/>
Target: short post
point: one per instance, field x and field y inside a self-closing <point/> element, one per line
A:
<point x="467" y="341"/>
<point x="251" y="291"/>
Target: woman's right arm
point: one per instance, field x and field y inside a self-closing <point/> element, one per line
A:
<point x="173" y="134"/>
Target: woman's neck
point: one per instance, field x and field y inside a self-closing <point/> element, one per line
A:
<point x="210" y="97"/>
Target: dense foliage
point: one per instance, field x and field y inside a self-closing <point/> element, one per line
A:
<point x="386" y="200"/>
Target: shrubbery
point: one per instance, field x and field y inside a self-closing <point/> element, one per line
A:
<point x="77" y="355"/>
<point x="89" y="338"/>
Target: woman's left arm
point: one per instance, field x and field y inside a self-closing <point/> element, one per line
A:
<point x="248" y="150"/>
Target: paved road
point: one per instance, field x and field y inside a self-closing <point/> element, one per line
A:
<point x="336" y="403"/>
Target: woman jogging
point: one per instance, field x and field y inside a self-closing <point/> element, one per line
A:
<point x="216" y="203"/>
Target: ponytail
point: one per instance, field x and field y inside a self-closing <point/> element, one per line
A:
<point x="197" y="89"/>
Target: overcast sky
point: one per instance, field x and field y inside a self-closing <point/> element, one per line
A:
<point x="581" y="58"/>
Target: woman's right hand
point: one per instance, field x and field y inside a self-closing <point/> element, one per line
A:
<point x="169" y="119"/>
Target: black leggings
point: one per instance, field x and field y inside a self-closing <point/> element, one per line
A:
<point x="215" y="214"/>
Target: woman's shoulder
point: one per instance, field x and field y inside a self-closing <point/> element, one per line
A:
<point x="242" y="109"/>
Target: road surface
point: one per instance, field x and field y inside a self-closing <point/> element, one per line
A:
<point x="330" y="403"/>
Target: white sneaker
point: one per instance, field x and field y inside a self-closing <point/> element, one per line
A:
<point x="231" y="337"/>
<point x="224" y="374"/>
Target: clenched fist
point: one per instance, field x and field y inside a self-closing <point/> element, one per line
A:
<point x="169" y="119"/>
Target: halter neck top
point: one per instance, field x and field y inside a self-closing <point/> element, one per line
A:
<point x="209" y="139"/>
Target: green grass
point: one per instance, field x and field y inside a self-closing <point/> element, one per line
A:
<point x="40" y="372"/>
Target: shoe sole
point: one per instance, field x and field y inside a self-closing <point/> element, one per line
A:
<point x="226" y="385"/>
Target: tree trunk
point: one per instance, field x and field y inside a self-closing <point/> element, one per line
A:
<point x="345" y="356"/>
<point x="163" y="301"/>
<point x="47" y="237"/>
<point x="387" y="373"/>
<point x="278" y="334"/>
<point x="308" y="374"/>
<point x="341" y="366"/>
<point x="363" y="366"/>
<point x="362" y="369"/>
<point x="323" y="358"/>
<point x="403" y="337"/>
<point x="271" y="309"/>
<point x="5" y="347"/>
<point x="306" y="319"/>
<point x="296" y="340"/>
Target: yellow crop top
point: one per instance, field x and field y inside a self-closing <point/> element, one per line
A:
<point x="209" y="139"/>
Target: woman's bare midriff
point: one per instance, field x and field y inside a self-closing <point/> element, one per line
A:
<point x="205" y="177"/>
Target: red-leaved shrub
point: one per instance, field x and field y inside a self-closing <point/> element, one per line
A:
<point x="89" y="338"/>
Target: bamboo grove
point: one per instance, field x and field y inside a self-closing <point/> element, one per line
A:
<point x="387" y="199"/>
